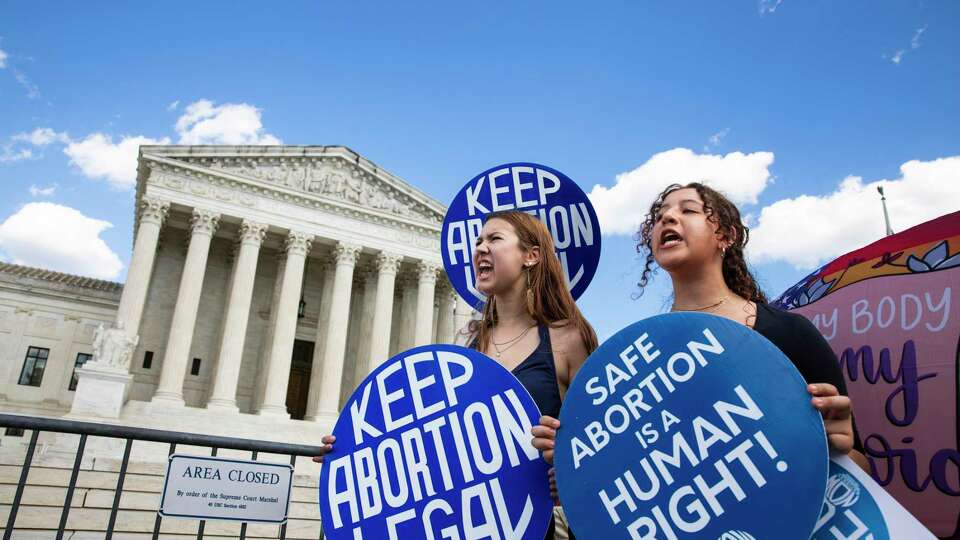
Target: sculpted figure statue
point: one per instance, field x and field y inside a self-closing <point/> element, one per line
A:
<point x="112" y="347"/>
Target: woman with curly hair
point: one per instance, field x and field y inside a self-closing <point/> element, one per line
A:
<point x="696" y="235"/>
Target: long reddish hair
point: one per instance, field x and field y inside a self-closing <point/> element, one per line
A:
<point x="549" y="301"/>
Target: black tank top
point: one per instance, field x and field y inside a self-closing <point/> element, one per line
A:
<point x="538" y="374"/>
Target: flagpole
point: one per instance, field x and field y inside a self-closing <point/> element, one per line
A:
<point x="886" y="215"/>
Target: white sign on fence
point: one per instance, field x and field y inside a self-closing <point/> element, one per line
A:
<point x="201" y="487"/>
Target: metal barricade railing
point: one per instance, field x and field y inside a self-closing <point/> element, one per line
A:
<point x="91" y="429"/>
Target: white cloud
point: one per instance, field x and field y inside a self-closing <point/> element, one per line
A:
<point x="231" y="123"/>
<point x="59" y="238"/>
<point x="3" y="59"/>
<point x="33" y="91"/>
<point x="42" y="137"/>
<point x="47" y="191"/>
<point x="768" y="6"/>
<point x="851" y="216"/>
<point x="202" y="122"/>
<point x="714" y="140"/>
<point x="98" y="157"/>
<point x="915" y="40"/>
<point x="173" y="106"/>
<point x="621" y="208"/>
<point x="10" y="154"/>
<point x="897" y="56"/>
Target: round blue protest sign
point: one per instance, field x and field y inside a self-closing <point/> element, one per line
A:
<point x="688" y="425"/>
<point x="436" y="443"/>
<point x="849" y="509"/>
<point x="545" y="193"/>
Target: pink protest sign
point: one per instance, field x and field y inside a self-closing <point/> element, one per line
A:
<point x="891" y="313"/>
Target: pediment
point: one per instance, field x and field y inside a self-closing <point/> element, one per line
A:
<point x="331" y="175"/>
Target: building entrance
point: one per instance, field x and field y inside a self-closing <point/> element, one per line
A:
<point x="298" y="387"/>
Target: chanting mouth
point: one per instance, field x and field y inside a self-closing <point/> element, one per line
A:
<point x="670" y="238"/>
<point x="484" y="269"/>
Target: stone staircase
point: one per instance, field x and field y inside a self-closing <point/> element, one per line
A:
<point x="42" y="504"/>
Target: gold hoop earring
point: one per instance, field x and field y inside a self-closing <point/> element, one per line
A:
<point x="530" y="303"/>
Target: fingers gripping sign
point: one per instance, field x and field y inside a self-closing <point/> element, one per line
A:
<point x="837" y="415"/>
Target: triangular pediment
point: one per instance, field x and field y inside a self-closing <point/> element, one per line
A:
<point x="333" y="173"/>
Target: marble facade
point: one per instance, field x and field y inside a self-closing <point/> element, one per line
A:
<point x="264" y="283"/>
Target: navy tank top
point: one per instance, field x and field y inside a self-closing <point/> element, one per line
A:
<point x="538" y="374"/>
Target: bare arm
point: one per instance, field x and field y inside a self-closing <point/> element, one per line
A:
<point x="569" y="354"/>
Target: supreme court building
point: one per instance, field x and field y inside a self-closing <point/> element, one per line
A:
<point x="265" y="283"/>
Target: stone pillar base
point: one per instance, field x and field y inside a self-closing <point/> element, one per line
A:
<point x="223" y="405"/>
<point x="101" y="391"/>
<point x="274" y="411"/>
<point x="168" y="398"/>
<point x="323" y="418"/>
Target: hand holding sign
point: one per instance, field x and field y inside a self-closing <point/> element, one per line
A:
<point x="690" y="425"/>
<point x="837" y="414"/>
<point x="435" y="443"/>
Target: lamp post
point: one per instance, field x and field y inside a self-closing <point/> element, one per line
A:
<point x="886" y="215"/>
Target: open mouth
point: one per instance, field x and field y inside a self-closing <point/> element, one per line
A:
<point x="669" y="238"/>
<point x="484" y="269"/>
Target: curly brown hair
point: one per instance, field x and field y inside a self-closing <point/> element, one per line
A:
<point x="730" y="227"/>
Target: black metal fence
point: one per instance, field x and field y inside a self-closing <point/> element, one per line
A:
<point x="130" y="434"/>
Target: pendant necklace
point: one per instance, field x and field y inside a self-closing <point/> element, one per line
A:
<point x="703" y="308"/>
<point x="509" y="343"/>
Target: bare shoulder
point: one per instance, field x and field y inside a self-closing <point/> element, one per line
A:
<point x="565" y="335"/>
<point x="569" y="351"/>
<point x="568" y="343"/>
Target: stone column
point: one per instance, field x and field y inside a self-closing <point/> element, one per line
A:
<point x="396" y="319"/>
<point x="319" y="344"/>
<point x="177" y="353"/>
<point x="388" y="265"/>
<point x="364" y="360"/>
<point x="445" y="323"/>
<point x="224" y="393"/>
<point x="281" y="351"/>
<point x="152" y="213"/>
<point x="408" y="311"/>
<point x="426" y="284"/>
<point x="263" y="359"/>
<point x="336" y="340"/>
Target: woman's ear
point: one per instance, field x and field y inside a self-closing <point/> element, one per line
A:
<point x="531" y="257"/>
<point x="729" y="238"/>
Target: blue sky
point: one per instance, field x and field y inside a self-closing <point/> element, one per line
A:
<point x="797" y="106"/>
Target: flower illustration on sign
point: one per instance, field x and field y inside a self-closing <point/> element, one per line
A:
<point x="814" y="291"/>
<point x="937" y="258"/>
<point x="800" y="294"/>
